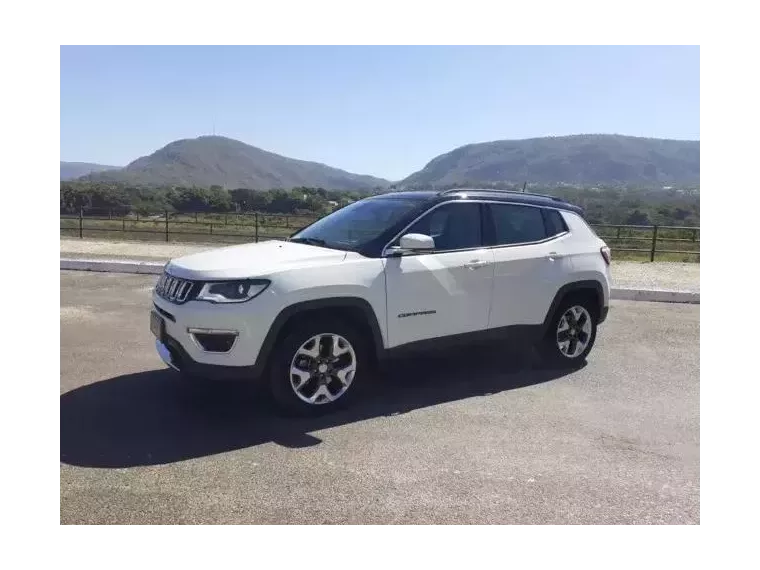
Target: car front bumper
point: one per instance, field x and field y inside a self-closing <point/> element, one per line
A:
<point x="165" y="355"/>
<point x="178" y="346"/>
<point x="174" y="356"/>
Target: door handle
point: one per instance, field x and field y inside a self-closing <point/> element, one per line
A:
<point x="475" y="264"/>
<point x="554" y="255"/>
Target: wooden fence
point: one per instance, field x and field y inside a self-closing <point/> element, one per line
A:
<point x="626" y="241"/>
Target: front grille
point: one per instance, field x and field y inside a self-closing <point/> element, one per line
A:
<point x="174" y="289"/>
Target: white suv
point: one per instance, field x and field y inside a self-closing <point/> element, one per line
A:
<point x="313" y="315"/>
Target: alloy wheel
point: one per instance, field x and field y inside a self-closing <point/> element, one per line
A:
<point x="574" y="331"/>
<point x="323" y="368"/>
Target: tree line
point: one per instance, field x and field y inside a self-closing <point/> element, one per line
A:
<point x="676" y="207"/>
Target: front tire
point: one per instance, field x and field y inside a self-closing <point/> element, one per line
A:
<point x="318" y="367"/>
<point x="571" y="334"/>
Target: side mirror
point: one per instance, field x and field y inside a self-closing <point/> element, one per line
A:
<point x="416" y="242"/>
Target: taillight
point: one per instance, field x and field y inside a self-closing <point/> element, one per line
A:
<point x="606" y="254"/>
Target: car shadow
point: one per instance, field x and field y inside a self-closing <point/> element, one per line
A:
<point x="152" y="418"/>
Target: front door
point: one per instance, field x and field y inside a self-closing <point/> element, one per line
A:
<point x="446" y="291"/>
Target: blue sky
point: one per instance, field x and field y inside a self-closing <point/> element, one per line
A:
<point x="384" y="111"/>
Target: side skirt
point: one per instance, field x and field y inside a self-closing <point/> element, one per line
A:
<point x="516" y="335"/>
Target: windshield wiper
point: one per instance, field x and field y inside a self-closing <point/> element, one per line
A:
<point x="322" y="243"/>
<point x="310" y="241"/>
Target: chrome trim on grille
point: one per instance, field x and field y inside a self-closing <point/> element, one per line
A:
<point x="173" y="289"/>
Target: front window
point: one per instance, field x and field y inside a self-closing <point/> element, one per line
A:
<point x="452" y="226"/>
<point x="357" y="224"/>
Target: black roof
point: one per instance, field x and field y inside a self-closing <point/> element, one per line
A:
<point x="489" y="194"/>
<point x="409" y="194"/>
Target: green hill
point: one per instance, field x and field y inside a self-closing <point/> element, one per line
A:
<point x="583" y="160"/>
<point x="213" y="160"/>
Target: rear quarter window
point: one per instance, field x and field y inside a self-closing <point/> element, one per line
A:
<point x="554" y="222"/>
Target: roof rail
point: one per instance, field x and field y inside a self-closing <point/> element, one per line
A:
<point x="452" y="190"/>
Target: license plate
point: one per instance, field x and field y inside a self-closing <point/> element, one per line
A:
<point x="156" y="325"/>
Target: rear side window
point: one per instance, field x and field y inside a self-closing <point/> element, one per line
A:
<point x="555" y="224"/>
<point x="513" y="224"/>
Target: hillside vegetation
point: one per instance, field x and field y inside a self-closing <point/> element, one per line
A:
<point x="611" y="206"/>
<point x="581" y="160"/>
<point x="219" y="161"/>
<point x="616" y="179"/>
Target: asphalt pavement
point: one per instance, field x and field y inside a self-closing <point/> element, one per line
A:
<point x="478" y="436"/>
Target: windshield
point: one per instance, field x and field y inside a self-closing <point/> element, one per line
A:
<point x="357" y="224"/>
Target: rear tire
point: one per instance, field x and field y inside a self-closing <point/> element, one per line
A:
<point x="319" y="367"/>
<point x="571" y="334"/>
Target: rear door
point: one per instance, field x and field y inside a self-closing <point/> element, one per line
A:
<point x="446" y="291"/>
<point x="530" y="262"/>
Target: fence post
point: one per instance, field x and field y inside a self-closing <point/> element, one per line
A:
<point x="196" y="217"/>
<point x="256" y="226"/>
<point x="166" y="224"/>
<point x="124" y="224"/>
<point x="618" y="233"/>
<point x="702" y="242"/>
<point x="81" y="220"/>
<point x="654" y="244"/>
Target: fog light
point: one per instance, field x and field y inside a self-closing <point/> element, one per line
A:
<point x="211" y="340"/>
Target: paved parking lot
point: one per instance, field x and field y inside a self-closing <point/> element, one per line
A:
<point x="476" y="437"/>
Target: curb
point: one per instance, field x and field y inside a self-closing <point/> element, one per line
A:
<point x="655" y="295"/>
<point x="157" y="267"/>
<point x="113" y="266"/>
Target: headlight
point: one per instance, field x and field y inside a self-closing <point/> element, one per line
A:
<point x="232" y="291"/>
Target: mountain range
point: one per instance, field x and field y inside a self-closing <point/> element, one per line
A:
<point x="577" y="159"/>
<point x="74" y="170"/>
<point x="214" y="160"/>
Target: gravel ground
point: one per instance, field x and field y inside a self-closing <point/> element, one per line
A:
<point x="658" y="275"/>
<point x="627" y="274"/>
<point x="475" y="436"/>
<point x="129" y="249"/>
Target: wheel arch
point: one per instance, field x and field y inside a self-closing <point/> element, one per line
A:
<point x="355" y="310"/>
<point x="589" y="287"/>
